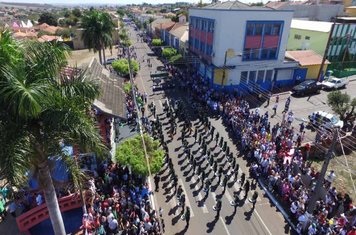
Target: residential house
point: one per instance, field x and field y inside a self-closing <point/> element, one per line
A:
<point x="178" y="37"/>
<point x="156" y="26"/>
<point x="313" y="35"/>
<point x="240" y="46"/>
<point x="310" y="10"/>
<point x="309" y="64"/>
<point x="309" y="35"/>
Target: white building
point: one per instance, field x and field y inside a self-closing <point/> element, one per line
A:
<point x="249" y="42"/>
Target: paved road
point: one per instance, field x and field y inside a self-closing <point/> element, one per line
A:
<point x="264" y="219"/>
<point x="302" y="107"/>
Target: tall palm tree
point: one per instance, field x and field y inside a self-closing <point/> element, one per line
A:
<point x="98" y="28"/>
<point x="38" y="109"/>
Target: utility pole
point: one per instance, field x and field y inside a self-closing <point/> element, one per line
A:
<point x="320" y="181"/>
<point x="223" y="75"/>
<point x="326" y="50"/>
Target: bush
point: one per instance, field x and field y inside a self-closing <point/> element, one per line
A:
<point x="169" y="52"/>
<point x="176" y="59"/>
<point x="157" y="42"/>
<point x="131" y="153"/>
<point x="122" y="66"/>
<point x="127" y="87"/>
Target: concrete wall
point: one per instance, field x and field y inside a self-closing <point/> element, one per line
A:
<point x="317" y="41"/>
<point x="313" y="71"/>
<point x="323" y="12"/>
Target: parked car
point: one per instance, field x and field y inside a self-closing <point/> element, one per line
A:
<point x="325" y="119"/>
<point x="164" y="86"/>
<point x="335" y="83"/>
<point x="110" y="60"/>
<point x="307" y="88"/>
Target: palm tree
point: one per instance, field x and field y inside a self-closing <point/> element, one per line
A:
<point x="98" y="28"/>
<point x="38" y="109"/>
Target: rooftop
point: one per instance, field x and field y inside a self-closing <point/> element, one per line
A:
<point x="112" y="97"/>
<point x="234" y="5"/>
<point x="179" y="29"/>
<point x="278" y="5"/>
<point x="318" y="26"/>
<point x="306" y="57"/>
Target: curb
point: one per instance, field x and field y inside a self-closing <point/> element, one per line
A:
<point x="277" y="204"/>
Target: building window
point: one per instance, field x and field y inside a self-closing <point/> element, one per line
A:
<point x="209" y="49"/>
<point x="243" y="78"/>
<point x="268" y="29"/>
<point x="263" y="29"/>
<point x="254" y="54"/>
<point x="269" y="74"/>
<point x="252" y="77"/>
<point x="202" y="47"/>
<point x="260" y="76"/>
<point x="250" y="28"/>
<point x="272" y="53"/>
<point x="247" y="54"/>
<point x="258" y="29"/>
<point x="307" y="38"/>
<point x="264" y="54"/>
<point x="297" y="36"/>
<point x="276" y="29"/>
<point x="202" y="25"/>
<point x="210" y="26"/>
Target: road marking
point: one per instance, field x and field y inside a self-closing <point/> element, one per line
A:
<point x="263" y="223"/>
<point x="186" y="197"/>
<point x="225" y="227"/>
<point x="200" y="197"/>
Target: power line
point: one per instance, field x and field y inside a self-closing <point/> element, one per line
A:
<point x="347" y="164"/>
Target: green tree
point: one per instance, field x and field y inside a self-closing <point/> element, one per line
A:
<point x="98" y="28"/>
<point x="76" y="12"/>
<point x="169" y="52"/>
<point x="122" y="67"/>
<point x="47" y="18"/>
<point x="149" y="12"/>
<point x="131" y="153"/>
<point x="157" y="42"/>
<point x="37" y="110"/>
<point x="121" y="12"/>
<point x="342" y="104"/>
<point x="67" y="14"/>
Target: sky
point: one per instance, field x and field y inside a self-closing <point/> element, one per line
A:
<point x="99" y="1"/>
<point x="63" y="2"/>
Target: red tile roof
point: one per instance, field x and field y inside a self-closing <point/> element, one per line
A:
<point x="305" y="58"/>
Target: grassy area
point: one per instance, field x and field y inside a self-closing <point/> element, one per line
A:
<point x="343" y="181"/>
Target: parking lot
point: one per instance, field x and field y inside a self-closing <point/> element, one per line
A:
<point x="302" y="107"/>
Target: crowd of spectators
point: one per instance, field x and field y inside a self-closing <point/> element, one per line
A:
<point x="119" y="203"/>
<point x="277" y="157"/>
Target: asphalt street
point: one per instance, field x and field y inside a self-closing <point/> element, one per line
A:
<point x="244" y="219"/>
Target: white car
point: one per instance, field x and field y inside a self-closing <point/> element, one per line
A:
<point x="335" y="83"/>
<point x="328" y="120"/>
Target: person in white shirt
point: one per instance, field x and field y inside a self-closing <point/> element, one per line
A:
<point x="39" y="199"/>
<point x="331" y="177"/>
<point x="113" y="224"/>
